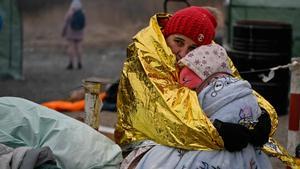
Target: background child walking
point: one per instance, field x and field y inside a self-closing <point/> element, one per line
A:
<point x="73" y="32"/>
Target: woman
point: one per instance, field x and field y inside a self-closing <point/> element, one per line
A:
<point x="158" y="116"/>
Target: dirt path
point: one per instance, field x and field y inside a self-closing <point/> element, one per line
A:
<point x="45" y="77"/>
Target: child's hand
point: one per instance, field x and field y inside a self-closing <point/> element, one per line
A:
<point x="189" y="79"/>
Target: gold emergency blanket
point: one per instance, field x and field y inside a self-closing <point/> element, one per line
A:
<point x="152" y="105"/>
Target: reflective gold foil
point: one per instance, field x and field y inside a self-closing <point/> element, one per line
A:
<point x="152" y="105"/>
<point x="274" y="149"/>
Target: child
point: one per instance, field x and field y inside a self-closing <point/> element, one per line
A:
<point x="222" y="97"/>
<point x="73" y="36"/>
<point x="207" y="71"/>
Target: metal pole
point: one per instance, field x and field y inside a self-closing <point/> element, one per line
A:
<point x="20" y="20"/>
<point x="166" y="4"/>
<point x="10" y="29"/>
<point x="92" y="103"/>
<point x="294" y="110"/>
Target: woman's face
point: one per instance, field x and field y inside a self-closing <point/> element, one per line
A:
<point x="180" y="45"/>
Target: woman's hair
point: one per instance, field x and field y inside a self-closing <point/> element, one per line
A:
<point x="214" y="11"/>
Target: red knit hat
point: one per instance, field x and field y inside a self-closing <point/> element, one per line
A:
<point x="193" y="22"/>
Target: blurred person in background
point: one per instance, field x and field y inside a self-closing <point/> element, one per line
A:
<point x="73" y="32"/>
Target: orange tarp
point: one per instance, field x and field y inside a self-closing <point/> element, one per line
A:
<point x="68" y="106"/>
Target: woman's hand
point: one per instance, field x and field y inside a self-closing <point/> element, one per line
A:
<point x="261" y="131"/>
<point x="236" y="136"/>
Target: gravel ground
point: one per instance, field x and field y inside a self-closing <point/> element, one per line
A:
<point x="45" y="78"/>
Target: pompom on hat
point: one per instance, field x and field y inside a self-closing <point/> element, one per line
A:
<point x="193" y="22"/>
<point x="76" y="4"/>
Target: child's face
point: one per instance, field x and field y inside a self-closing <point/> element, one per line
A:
<point x="189" y="79"/>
